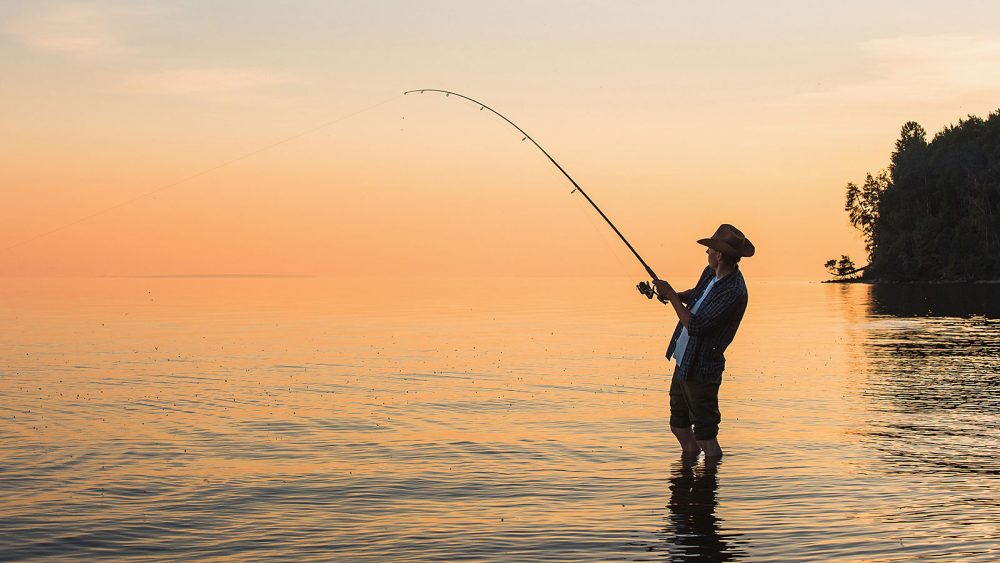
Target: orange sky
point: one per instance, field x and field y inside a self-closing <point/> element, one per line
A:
<point x="674" y="117"/>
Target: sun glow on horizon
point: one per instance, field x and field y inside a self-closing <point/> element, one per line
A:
<point x="158" y="139"/>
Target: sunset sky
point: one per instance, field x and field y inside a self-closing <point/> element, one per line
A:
<point x="166" y="138"/>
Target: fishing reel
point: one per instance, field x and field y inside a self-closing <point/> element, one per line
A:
<point x="646" y="289"/>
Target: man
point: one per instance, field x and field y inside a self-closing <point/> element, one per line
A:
<point x="709" y="315"/>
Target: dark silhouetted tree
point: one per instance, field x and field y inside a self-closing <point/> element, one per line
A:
<point x="845" y="266"/>
<point x="841" y="268"/>
<point x="934" y="214"/>
<point x="831" y="266"/>
<point x="862" y="206"/>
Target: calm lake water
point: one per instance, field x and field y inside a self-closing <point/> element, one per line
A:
<point x="506" y="419"/>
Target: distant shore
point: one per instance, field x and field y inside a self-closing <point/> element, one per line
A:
<point x="912" y="282"/>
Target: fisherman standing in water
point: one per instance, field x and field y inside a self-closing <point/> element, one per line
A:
<point x="709" y="315"/>
<point x="716" y="304"/>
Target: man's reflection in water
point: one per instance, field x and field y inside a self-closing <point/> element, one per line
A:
<point x="692" y="529"/>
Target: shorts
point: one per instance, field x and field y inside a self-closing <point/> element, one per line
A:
<point x="694" y="401"/>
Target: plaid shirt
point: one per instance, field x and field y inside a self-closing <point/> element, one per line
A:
<point x="712" y="328"/>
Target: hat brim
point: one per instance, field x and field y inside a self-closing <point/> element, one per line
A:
<point x="726" y="248"/>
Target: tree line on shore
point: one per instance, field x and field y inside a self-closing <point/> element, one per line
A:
<point x="934" y="213"/>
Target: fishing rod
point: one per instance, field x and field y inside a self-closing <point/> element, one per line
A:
<point x="644" y="287"/>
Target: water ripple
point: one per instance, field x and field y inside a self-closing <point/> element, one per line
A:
<point x="288" y="425"/>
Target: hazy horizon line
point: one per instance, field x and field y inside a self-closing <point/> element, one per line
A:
<point x="221" y="275"/>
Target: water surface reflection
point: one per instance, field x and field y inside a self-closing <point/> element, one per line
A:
<point x="694" y="531"/>
<point x="936" y="300"/>
<point x="312" y="419"/>
<point x="933" y="376"/>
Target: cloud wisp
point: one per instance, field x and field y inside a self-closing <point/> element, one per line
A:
<point x="98" y="32"/>
<point x="81" y="29"/>
<point x="922" y="69"/>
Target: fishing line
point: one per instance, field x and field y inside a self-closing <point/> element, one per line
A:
<point x="576" y="187"/>
<point x="601" y="235"/>
<point x="198" y="174"/>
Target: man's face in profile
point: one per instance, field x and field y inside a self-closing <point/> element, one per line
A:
<point x="714" y="256"/>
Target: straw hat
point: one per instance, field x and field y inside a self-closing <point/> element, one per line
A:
<point x="730" y="241"/>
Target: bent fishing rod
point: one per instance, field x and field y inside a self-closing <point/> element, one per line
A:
<point x="643" y="287"/>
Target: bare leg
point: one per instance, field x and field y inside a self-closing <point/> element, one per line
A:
<point x="686" y="438"/>
<point x="710" y="447"/>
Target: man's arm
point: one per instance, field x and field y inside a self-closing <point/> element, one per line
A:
<point x="715" y="312"/>
<point x="666" y="293"/>
<point x="687" y="297"/>
<point x="683" y="313"/>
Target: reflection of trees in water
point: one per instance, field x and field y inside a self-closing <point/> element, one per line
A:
<point x="693" y="531"/>
<point x="937" y="300"/>
<point x="935" y="376"/>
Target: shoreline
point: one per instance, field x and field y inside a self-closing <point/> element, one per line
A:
<point x="914" y="282"/>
